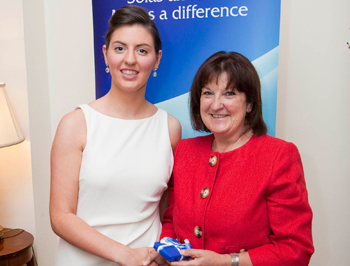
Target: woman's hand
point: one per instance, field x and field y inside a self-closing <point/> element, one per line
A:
<point x="154" y="258"/>
<point x="138" y="255"/>
<point x="203" y="258"/>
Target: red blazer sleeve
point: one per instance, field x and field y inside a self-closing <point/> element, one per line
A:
<point x="289" y="214"/>
<point x="167" y="223"/>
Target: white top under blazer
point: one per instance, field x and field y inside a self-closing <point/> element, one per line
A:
<point x="125" y="169"/>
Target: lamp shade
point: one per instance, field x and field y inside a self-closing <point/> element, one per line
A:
<point x="10" y="133"/>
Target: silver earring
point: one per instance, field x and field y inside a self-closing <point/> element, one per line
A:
<point x="154" y="73"/>
<point x="107" y="69"/>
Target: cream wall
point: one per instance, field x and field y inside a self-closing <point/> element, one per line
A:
<point x="60" y="73"/>
<point x="313" y="112"/>
<point x="46" y="59"/>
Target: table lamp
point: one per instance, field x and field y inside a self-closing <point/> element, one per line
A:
<point x="10" y="133"/>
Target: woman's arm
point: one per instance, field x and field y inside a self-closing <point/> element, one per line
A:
<point x="66" y="157"/>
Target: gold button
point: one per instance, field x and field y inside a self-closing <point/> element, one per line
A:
<point x="204" y="193"/>
<point x="213" y="160"/>
<point x="242" y="250"/>
<point x="198" y="231"/>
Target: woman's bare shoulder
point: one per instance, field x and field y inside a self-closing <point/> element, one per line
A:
<point x="72" y="129"/>
<point x="175" y="131"/>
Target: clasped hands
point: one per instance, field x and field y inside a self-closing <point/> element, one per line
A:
<point x="199" y="258"/>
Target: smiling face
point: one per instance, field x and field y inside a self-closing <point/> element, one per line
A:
<point x="131" y="57"/>
<point x="223" y="109"/>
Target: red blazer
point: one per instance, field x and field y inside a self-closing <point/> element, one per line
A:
<point x="254" y="198"/>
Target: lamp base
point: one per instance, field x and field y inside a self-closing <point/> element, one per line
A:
<point x="1" y="232"/>
<point x="1" y="238"/>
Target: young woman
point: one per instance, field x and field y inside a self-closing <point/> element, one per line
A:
<point x="112" y="158"/>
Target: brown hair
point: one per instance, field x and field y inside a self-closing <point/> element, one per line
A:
<point x="242" y="76"/>
<point x="131" y="15"/>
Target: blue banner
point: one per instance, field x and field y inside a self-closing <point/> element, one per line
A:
<point x="191" y="31"/>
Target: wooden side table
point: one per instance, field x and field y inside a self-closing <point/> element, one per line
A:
<point x="16" y="248"/>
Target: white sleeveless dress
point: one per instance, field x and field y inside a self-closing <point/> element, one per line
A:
<point x="125" y="169"/>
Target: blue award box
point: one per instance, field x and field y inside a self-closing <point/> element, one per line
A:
<point x="169" y="248"/>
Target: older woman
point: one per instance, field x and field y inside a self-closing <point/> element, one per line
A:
<point x="237" y="194"/>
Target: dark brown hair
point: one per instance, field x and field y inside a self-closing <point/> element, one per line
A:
<point x="132" y="15"/>
<point x="242" y="76"/>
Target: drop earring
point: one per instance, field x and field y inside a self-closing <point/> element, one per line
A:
<point x="154" y="72"/>
<point x="107" y="69"/>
